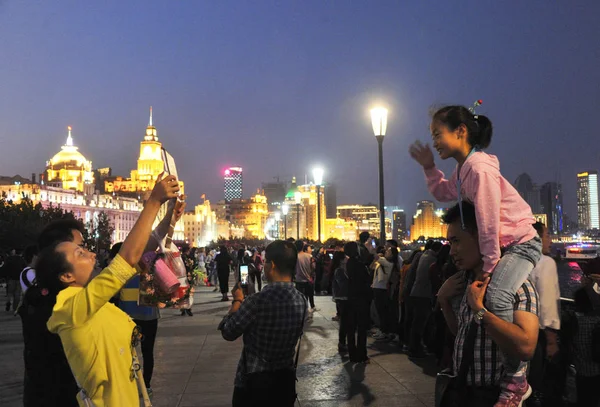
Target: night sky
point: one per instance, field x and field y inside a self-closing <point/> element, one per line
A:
<point x="278" y="87"/>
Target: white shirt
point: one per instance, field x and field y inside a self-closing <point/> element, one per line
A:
<point x="545" y="279"/>
<point x="30" y="276"/>
<point x="382" y="274"/>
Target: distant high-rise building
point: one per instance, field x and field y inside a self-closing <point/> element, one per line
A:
<point x="588" y="215"/>
<point x="427" y="222"/>
<point x="275" y="192"/>
<point x="398" y="225"/>
<point x="529" y="192"/>
<point x="552" y="205"/>
<point x="331" y="201"/>
<point x="233" y="183"/>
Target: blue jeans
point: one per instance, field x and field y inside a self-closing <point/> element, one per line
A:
<point x="509" y="275"/>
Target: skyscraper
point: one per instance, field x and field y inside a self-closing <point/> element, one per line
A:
<point x="233" y="183"/>
<point x="529" y="192"/>
<point x="588" y="215"/>
<point x="331" y="200"/>
<point x="427" y="222"/>
<point x="552" y="204"/>
<point x="398" y="225"/>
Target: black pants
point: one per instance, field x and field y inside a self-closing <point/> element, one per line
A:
<point x="308" y="289"/>
<point x="148" y="329"/>
<point x="358" y="324"/>
<point x="383" y="305"/>
<point x="223" y="274"/>
<point x="256" y="280"/>
<point x="267" y="389"/>
<point x="417" y="310"/>
<point x="342" y="309"/>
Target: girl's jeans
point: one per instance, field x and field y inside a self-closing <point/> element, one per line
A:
<point x="511" y="272"/>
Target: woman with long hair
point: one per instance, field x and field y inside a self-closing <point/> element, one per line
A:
<point x="96" y="335"/>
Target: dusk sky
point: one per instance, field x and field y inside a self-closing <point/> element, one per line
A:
<point x="278" y="87"/>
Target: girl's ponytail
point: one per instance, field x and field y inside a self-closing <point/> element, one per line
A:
<point x="479" y="127"/>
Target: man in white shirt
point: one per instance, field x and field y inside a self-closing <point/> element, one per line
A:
<point x="545" y="279"/>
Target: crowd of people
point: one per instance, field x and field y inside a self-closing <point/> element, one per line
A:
<point x="486" y="304"/>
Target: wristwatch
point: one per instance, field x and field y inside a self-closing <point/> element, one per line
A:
<point x="479" y="315"/>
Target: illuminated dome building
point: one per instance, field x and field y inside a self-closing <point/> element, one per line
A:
<point x="69" y="169"/>
<point x="149" y="166"/>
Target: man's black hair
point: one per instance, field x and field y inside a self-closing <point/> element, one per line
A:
<point x="429" y="244"/>
<point x="59" y="231"/>
<point x="30" y="253"/>
<point x="284" y="255"/>
<point x="436" y="246"/>
<point x="351" y="250"/>
<point x="299" y="245"/>
<point x="469" y="217"/>
<point x="364" y="236"/>
<point x="291" y="239"/>
<point x="392" y="243"/>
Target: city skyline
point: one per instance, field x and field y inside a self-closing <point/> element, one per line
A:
<point x="229" y="91"/>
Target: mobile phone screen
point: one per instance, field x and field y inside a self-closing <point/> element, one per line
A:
<point x="331" y="256"/>
<point x="243" y="274"/>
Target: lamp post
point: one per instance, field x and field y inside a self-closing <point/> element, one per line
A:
<point x="277" y="218"/>
<point x="379" y="121"/>
<point x="285" y="209"/>
<point x="318" y="177"/>
<point x="298" y="199"/>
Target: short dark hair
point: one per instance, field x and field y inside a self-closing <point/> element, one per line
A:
<point x="59" y="231"/>
<point x="364" y="236"/>
<point x="284" y="255"/>
<point x="50" y="265"/>
<point x="539" y="227"/>
<point x="429" y="244"/>
<point x="436" y="246"/>
<point x="469" y="217"/>
<point x="479" y="127"/>
<point x="351" y="250"/>
<point x="392" y="243"/>
<point x="30" y="253"/>
<point x="299" y="245"/>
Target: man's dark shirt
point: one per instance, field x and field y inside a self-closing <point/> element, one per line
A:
<point x="271" y="322"/>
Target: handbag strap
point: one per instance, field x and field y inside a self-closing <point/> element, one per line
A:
<point x="467" y="353"/>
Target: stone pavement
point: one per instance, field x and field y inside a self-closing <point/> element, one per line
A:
<point x="195" y="366"/>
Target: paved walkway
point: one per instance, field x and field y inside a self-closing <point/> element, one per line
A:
<point x="195" y="366"/>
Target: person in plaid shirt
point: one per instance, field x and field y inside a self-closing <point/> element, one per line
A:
<point x="462" y="300"/>
<point x="271" y="322"/>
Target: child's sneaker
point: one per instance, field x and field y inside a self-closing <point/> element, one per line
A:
<point x="514" y="392"/>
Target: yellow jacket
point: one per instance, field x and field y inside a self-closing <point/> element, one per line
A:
<point x="96" y="337"/>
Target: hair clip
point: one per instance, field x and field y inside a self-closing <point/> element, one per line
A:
<point x="477" y="103"/>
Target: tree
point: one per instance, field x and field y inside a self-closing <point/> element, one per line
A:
<point x="21" y="223"/>
<point x="98" y="233"/>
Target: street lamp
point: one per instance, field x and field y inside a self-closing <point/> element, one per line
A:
<point x="277" y="218"/>
<point x="285" y="209"/>
<point x="379" y="121"/>
<point x="298" y="200"/>
<point x="318" y="177"/>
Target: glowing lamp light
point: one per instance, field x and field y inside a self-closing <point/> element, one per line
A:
<point x="285" y="209"/>
<point x="318" y="175"/>
<point x="379" y="120"/>
<point x="227" y="172"/>
<point x="277" y="216"/>
<point x="298" y="197"/>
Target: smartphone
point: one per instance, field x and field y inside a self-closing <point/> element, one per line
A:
<point x="331" y="256"/>
<point x="244" y="275"/>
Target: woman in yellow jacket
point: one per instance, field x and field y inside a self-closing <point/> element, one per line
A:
<point x="96" y="335"/>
